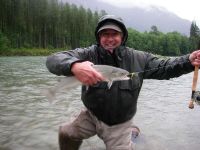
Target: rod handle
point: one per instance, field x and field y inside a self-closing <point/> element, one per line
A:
<point x="194" y="85"/>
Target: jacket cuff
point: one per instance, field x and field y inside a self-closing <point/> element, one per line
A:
<point x="188" y="64"/>
<point x="68" y="66"/>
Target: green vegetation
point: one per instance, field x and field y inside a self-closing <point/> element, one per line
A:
<point x="46" y="24"/>
<point x="169" y="44"/>
<point x="28" y="52"/>
<point x="40" y="27"/>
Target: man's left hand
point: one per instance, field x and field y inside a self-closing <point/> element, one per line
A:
<point x="195" y="58"/>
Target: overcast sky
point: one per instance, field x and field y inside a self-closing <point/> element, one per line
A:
<point x="186" y="9"/>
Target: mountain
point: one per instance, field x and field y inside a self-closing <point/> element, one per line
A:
<point x="140" y="19"/>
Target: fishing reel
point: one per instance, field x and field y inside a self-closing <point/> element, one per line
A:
<point x="196" y="97"/>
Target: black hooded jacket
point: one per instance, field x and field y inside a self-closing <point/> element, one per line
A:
<point x="119" y="103"/>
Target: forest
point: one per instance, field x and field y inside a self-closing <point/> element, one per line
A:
<point x="52" y="25"/>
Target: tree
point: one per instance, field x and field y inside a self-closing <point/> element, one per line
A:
<point x="3" y="42"/>
<point x="194" y="30"/>
<point x="154" y="30"/>
<point x="194" y="36"/>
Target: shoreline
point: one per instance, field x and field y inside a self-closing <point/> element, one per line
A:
<point x="28" y="52"/>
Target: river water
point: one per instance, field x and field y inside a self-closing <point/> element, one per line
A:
<point x="29" y="122"/>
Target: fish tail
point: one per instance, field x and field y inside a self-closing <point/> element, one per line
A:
<point x="50" y="94"/>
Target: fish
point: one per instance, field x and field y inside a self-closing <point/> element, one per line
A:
<point x="196" y="97"/>
<point x="110" y="74"/>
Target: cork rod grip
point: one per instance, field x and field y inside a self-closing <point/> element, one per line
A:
<point x="194" y="85"/>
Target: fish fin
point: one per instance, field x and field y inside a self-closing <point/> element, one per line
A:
<point x="110" y="84"/>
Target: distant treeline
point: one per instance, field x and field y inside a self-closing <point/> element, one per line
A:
<point x="46" y="24"/>
<point x="51" y="24"/>
<point x="169" y="44"/>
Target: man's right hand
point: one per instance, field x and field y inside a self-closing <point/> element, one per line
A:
<point x="85" y="73"/>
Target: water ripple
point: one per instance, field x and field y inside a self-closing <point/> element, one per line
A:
<point x="28" y="121"/>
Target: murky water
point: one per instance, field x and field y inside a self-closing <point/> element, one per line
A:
<point x="29" y="122"/>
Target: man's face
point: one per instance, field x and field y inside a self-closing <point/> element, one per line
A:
<point x="110" y="39"/>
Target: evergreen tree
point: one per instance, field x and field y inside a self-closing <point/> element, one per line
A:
<point x="194" y="30"/>
<point x="194" y="36"/>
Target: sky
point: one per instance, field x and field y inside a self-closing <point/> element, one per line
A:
<point x="186" y="9"/>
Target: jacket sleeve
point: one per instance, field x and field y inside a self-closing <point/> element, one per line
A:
<point x="166" y="68"/>
<point x="60" y="63"/>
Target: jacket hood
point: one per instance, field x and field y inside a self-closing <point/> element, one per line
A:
<point x="112" y="19"/>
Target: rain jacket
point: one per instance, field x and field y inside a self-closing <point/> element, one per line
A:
<point x="119" y="103"/>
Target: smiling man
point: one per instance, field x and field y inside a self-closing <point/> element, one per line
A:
<point x="109" y="113"/>
<point x="110" y="36"/>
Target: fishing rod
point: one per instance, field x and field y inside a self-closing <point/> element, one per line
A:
<point x="195" y="97"/>
<point x="133" y="74"/>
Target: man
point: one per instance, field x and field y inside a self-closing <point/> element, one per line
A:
<point x="109" y="112"/>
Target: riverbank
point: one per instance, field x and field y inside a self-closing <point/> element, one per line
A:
<point x="35" y="52"/>
<point x="28" y="52"/>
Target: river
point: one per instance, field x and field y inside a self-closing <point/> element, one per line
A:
<point x="29" y="122"/>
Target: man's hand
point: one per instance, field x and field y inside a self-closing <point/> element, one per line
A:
<point x="85" y="73"/>
<point x="195" y="58"/>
